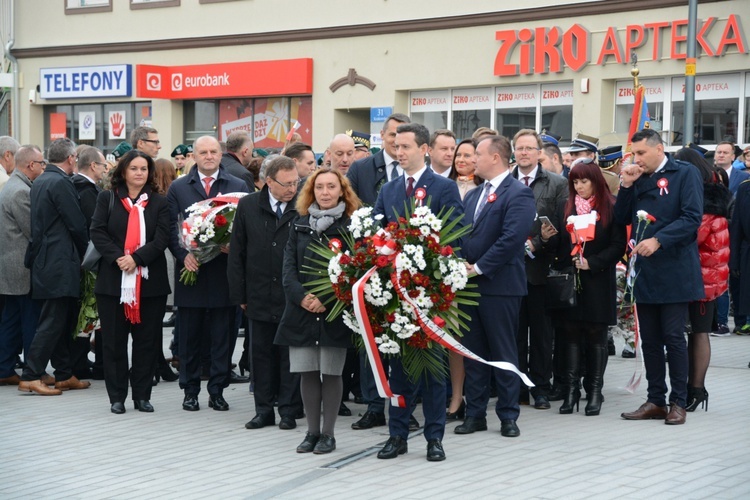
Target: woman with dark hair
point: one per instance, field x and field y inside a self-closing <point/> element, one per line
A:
<point x="463" y="167"/>
<point x="130" y="228"/>
<point x="596" y="307"/>
<point x="713" y="249"/>
<point x="317" y="348"/>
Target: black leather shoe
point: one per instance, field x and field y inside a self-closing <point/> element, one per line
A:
<point x="394" y="447"/>
<point x="369" y="420"/>
<point x="234" y="378"/>
<point x="117" y="408"/>
<point x="190" y="403"/>
<point x="471" y="425"/>
<point x="359" y="400"/>
<point x="308" y="444"/>
<point x="509" y="429"/>
<point x="143" y="405"/>
<point x="326" y="444"/>
<point x="169" y="322"/>
<point x="218" y="403"/>
<point x="287" y="423"/>
<point x="413" y="424"/>
<point x="435" y="452"/>
<point x="541" y="403"/>
<point x="344" y="411"/>
<point x="260" y="421"/>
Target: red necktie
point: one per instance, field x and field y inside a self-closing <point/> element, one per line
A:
<point x="207" y="181"/>
<point x="526" y="179"/>
<point x="409" y="187"/>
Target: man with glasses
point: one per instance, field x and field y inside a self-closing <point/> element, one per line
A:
<point x="535" y="326"/>
<point x="21" y="312"/>
<point x="205" y="307"/>
<point x="146" y="139"/>
<point x="59" y="237"/>
<point x="8" y="148"/>
<point x="260" y="234"/>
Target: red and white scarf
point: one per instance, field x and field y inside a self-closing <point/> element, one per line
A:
<point x="583" y="205"/>
<point x="135" y="238"/>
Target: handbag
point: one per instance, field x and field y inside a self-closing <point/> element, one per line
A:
<point x="560" y="292"/>
<point x="91" y="258"/>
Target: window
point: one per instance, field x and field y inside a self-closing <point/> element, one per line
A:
<point x="151" y="4"/>
<point x="557" y="111"/>
<point x="87" y="6"/>
<point x="624" y="101"/>
<point x="472" y="108"/>
<point x="716" y="109"/>
<point x="431" y="108"/>
<point x="515" y="108"/>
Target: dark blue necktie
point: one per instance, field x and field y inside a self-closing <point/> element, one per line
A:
<point x="278" y="210"/>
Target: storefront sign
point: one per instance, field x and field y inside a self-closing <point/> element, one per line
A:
<point x="471" y="99"/>
<point x="58" y="128"/>
<point x="624" y="93"/>
<point x="521" y="96"/>
<point x="86" y="81"/>
<point x="720" y="86"/>
<point x="86" y="125"/>
<point x="550" y="50"/>
<point x="205" y="81"/>
<point x="557" y="94"/>
<point x="433" y="100"/>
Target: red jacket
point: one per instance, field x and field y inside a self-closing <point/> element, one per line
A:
<point x="713" y="248"/>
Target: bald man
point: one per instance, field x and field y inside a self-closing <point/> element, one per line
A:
<point x="342" y="152"/>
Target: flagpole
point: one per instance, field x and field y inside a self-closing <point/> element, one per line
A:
<point x="689" y="128"/>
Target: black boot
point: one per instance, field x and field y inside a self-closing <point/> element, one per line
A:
<point x="596" y="363"/>
<point x="572" y="391"/>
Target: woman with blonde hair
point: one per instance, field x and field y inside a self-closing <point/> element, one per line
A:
<point x="317" y="348"/>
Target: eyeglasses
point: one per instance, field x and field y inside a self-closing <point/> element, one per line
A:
<point x="526" y="149"/>
<point x="286" y="185"/>
<point x="153" y="141"/>
<point x="41" y="163"/>
<point x="100" y="164"/>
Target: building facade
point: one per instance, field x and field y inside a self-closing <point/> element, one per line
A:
<point x="94" y="69"/>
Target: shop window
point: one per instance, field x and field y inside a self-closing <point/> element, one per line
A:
<point x="557" y="111"/>
<point x="87" y="6"/>
<point x="200" y="119"/>
<point x="151" y="4"/>
<point x="716" y="109"/>
<point x="515" y="108"/>
<point x="112" y="123"/>
<point x="430" y="108"/>
<point x="472" y="108"/>
<point x="624" y="101"/>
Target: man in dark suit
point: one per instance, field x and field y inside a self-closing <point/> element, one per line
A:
<point x="59" y="238"/>
<point x="723" y="158"/>
<point x="204" y="307"/>
<point x="503" y="211"/>
<point x="238" y="156"/>
<point x="535" y="325"/>
<point x="672" y="192"/>
<point x="261" y="231"/>
<point x="412" y="143"/>
<point x="367" y="177"/>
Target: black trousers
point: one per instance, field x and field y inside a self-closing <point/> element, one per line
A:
<point x="146" y="345"/>
<point x="53" y="338"/>
<point x="535" y="341"/>
<point x="271" y="376"/>
<point x="194" y="324"/>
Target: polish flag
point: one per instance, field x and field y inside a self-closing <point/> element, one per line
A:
<point x="294" y="129"/>
<point x="585" y="226"/>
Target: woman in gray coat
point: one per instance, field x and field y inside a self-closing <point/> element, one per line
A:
<point x="316" y="347"/>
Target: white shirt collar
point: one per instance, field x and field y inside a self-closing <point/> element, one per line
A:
<point x="274" y="201"/>
<point x="416" y="175"/>
<point x="496" y="181"/>
<point x="661" y="165"/>
<point x="443" y="174"/>
<point x="87" y="177"/>
<point x="531" y="175"/>
<point x="214" y="176"/>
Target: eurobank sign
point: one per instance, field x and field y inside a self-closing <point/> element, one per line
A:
<point x="236" y="79"/>
<point x="86" y="81"/>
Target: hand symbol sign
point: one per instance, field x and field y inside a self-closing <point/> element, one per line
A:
<point x="117" y="126"/>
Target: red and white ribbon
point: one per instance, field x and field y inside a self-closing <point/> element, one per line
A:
<point x="663" y="183"/>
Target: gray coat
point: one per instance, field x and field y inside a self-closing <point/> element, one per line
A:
<point x="15" y="234"/>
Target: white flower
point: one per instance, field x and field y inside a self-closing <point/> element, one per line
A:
<point x="389" y="346"/>
<point x="351" y="322"/>
<point x="203" y="238"/>
<point x="642" y="215"/>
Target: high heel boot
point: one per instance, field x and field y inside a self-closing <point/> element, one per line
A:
<point x="596" y="361"/>
<point x="697" y="396"/>
<point x="572" y="391"/>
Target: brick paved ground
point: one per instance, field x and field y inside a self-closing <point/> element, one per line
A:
<point x="71" y="446"/>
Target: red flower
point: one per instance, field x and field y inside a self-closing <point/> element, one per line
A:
<point x="413" y="294"/>
<point x="569" y="228"/>
<point x="446" y="251"/>
<point x="418" y="341"/>
<point x="651" y="218"/>
<point x="220" y="221"/>
<point x="381" y="261"/>
<point x="345" y="259"/>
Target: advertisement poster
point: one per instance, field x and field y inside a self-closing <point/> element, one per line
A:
<point x="86" y="126"/>
<point x="235" y="114"/>
<point x="117" y="122"/>
<point x="268" y="120"/>
<point x="58" y="126"/>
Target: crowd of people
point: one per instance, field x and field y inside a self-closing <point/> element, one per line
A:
<point x="660" y="219"/>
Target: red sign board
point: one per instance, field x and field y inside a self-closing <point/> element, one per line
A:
<point x="58" y="128"/>
<point x="205" y="81"/>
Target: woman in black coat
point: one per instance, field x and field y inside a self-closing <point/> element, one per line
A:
<point x="316" y="347"/>
<point x="130" y="228"/>
<point x="596" y="307"/>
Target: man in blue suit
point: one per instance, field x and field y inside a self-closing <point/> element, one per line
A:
<point x="723" y="158"/>
<point x="672" y="192"/>
<point x="412" y="143"/>
<point x="204" y="305"/>
<point x="503" y="212"/>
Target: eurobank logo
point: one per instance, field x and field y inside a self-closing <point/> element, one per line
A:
<point x="206" y="81"/>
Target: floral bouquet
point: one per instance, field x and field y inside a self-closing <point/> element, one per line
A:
<point x="625" y="327"/>
<point x="415" y="282"/>
<point x="582" y="228"/>
<point x="206" y="229"/>
<point x="88" y="315"/>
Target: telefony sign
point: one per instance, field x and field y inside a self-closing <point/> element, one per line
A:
<point x="86" y="81"/>
<point x="544" y="50"/>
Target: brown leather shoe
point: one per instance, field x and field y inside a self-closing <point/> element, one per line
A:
<point x="647" y="411"/>
<point x="73" y="384"/>
<point x="12" y="380"/>
<point x="676" y="415"/>
<point x="38" y="387"/>
<point x="48" y="379"/>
